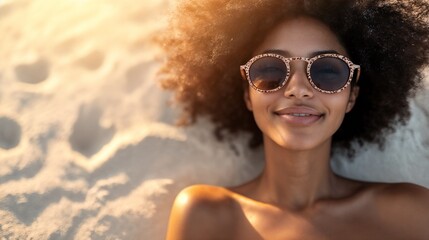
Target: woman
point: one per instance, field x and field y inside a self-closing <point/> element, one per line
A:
<point x="317" y="75"/>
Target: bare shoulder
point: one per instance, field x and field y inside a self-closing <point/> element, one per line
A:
<point x="405" y="191"/>
<point x="406" y="195"/>
<point x="405" y="208"/>
<point x="200" y="211"/>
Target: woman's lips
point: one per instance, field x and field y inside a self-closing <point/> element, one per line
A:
<point x="299" y="116"/>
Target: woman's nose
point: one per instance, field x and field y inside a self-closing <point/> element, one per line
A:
<point x="298" y="85"/>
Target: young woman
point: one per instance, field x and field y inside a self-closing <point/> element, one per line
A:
<point x="316" y="75"/>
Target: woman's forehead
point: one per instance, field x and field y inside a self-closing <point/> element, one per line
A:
<point x="301" y="37"/>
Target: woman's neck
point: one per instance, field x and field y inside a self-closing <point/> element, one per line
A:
<point x="296" y="179"/>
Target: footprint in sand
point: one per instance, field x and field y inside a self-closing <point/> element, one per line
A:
<point x="88" y="137"/>
<point x="5" y="8"/>
<point x="92" y="60"/>
<point x="33" y="73"/>
<point x="138" y="73"/>
<point x="10" y="133"/>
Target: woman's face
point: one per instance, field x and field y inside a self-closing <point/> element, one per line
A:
<point x="298" y="117"/>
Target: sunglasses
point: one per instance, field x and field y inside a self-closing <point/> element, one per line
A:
<point x="327" y="73"/>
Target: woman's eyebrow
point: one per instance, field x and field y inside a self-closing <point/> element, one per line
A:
<point x="277" y="51"/>
<point x="323" y="52"/>
<point x="287" y="54"/>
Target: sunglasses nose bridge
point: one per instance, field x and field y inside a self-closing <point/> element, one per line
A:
<point x="302" y="62"/>
<point x="298" y="84"/>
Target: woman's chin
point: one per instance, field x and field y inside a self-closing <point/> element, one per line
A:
<point x="296" y="143"/>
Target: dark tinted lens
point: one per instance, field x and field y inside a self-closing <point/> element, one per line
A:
<point x="267" y="73"/>
<point x="329" y="73"/>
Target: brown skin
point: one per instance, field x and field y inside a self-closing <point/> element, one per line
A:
<point x="297" y="196"/>
<point x="371" y="211"/>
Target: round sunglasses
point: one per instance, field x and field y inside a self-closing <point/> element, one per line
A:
<point x="327" y="73"/>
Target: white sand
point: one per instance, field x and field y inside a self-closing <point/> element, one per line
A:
<point x="87" y="145"/>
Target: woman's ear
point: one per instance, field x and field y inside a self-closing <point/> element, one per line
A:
<point x="247" y="99"/>
<point x="352" y="99"/>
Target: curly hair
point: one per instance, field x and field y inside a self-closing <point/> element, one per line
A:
<point x="207" y="41"/>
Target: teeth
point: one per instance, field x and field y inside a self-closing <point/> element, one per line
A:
<point x="300" y="114"/>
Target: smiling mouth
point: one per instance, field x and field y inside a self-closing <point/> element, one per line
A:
<point x="299" y="117"/>
<point x="299" y="113"/>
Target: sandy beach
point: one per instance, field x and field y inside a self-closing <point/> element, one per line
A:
<point x="88" y="144"/>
